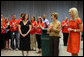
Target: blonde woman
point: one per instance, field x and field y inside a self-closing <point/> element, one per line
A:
<point x="54" y="34"/>
<point x="76" y="27"/>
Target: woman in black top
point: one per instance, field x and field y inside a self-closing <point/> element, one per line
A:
<point x="24" y="29"/>
<point x="7" y="32"/>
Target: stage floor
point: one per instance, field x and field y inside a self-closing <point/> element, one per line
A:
<point x="62" y="51"/>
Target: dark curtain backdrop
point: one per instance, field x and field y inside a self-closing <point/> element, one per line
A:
<point x="37" y="8"/>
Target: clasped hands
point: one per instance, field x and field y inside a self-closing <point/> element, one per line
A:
<point x="51" y="28"/>
<point x="70" y="29"/>
<point x="24" y="35"/>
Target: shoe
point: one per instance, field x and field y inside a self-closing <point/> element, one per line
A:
<point x="13" y="48"/>
<point x="9" y="49"/>
<point x="16" y="49"/>
<point x="5" y="48"/>
<point x="65" y="44"/>
<point x="34" y="49"/>
<point x="38" y="52"/>
<point x="31" y="49"/>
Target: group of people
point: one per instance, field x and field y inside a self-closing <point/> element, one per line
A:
<point x="27" y="32"/>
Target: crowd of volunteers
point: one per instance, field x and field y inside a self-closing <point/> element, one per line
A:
<point x="27" y="32"/>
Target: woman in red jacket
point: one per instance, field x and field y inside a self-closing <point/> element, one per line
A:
<point x="3" y="34"/>
<point x="32" y="34"/>
<point x="39" y="27"/>
<point x="7" y="32"/>
<point x="65" y="31"/>
<point x="14" y="32"/>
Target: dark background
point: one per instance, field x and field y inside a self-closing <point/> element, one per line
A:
<point x="37" y="8"/>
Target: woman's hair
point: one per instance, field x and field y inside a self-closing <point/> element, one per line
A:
<point x="40" y="19"/>
<point x="1" y="19"/>
<point x="55" y="14"/>
<point x="44" y="15"/>
<point x="22" y="14"/>
<point x="75" y="12"/>
<point x="6" y="19"/>
<point x="33" y="17"/>
<point x="23" y="18"/>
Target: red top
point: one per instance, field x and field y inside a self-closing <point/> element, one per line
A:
<point x="2" y="30"/>
<point x="38" y="31"/>
<point x="13" y="24"/>
<point x="33" y="30"/>
<point x="3" y="20"/>
<point x="18" y="21"/>
<point x="74" y="37"/>
<point x="65" y="28"/>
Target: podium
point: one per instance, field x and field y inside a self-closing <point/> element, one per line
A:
<point x="45" y="43"/>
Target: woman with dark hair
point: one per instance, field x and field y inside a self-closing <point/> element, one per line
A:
<point x="39" y="27"/>
<point x="7" y="32"/>
<point x="24" y="29"/>
<point x="32" y="34"/>
<point x="22" y="14"/>
<point x="65" y="31"/>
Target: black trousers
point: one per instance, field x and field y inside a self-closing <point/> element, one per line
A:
<point x="38" y="38"/>
<point x="2" y="41"/>
<point x="82" y="36"/>
<point x="14" y="35"/>
<point x="65" y="38"/>
<point x="54" y="46"/>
